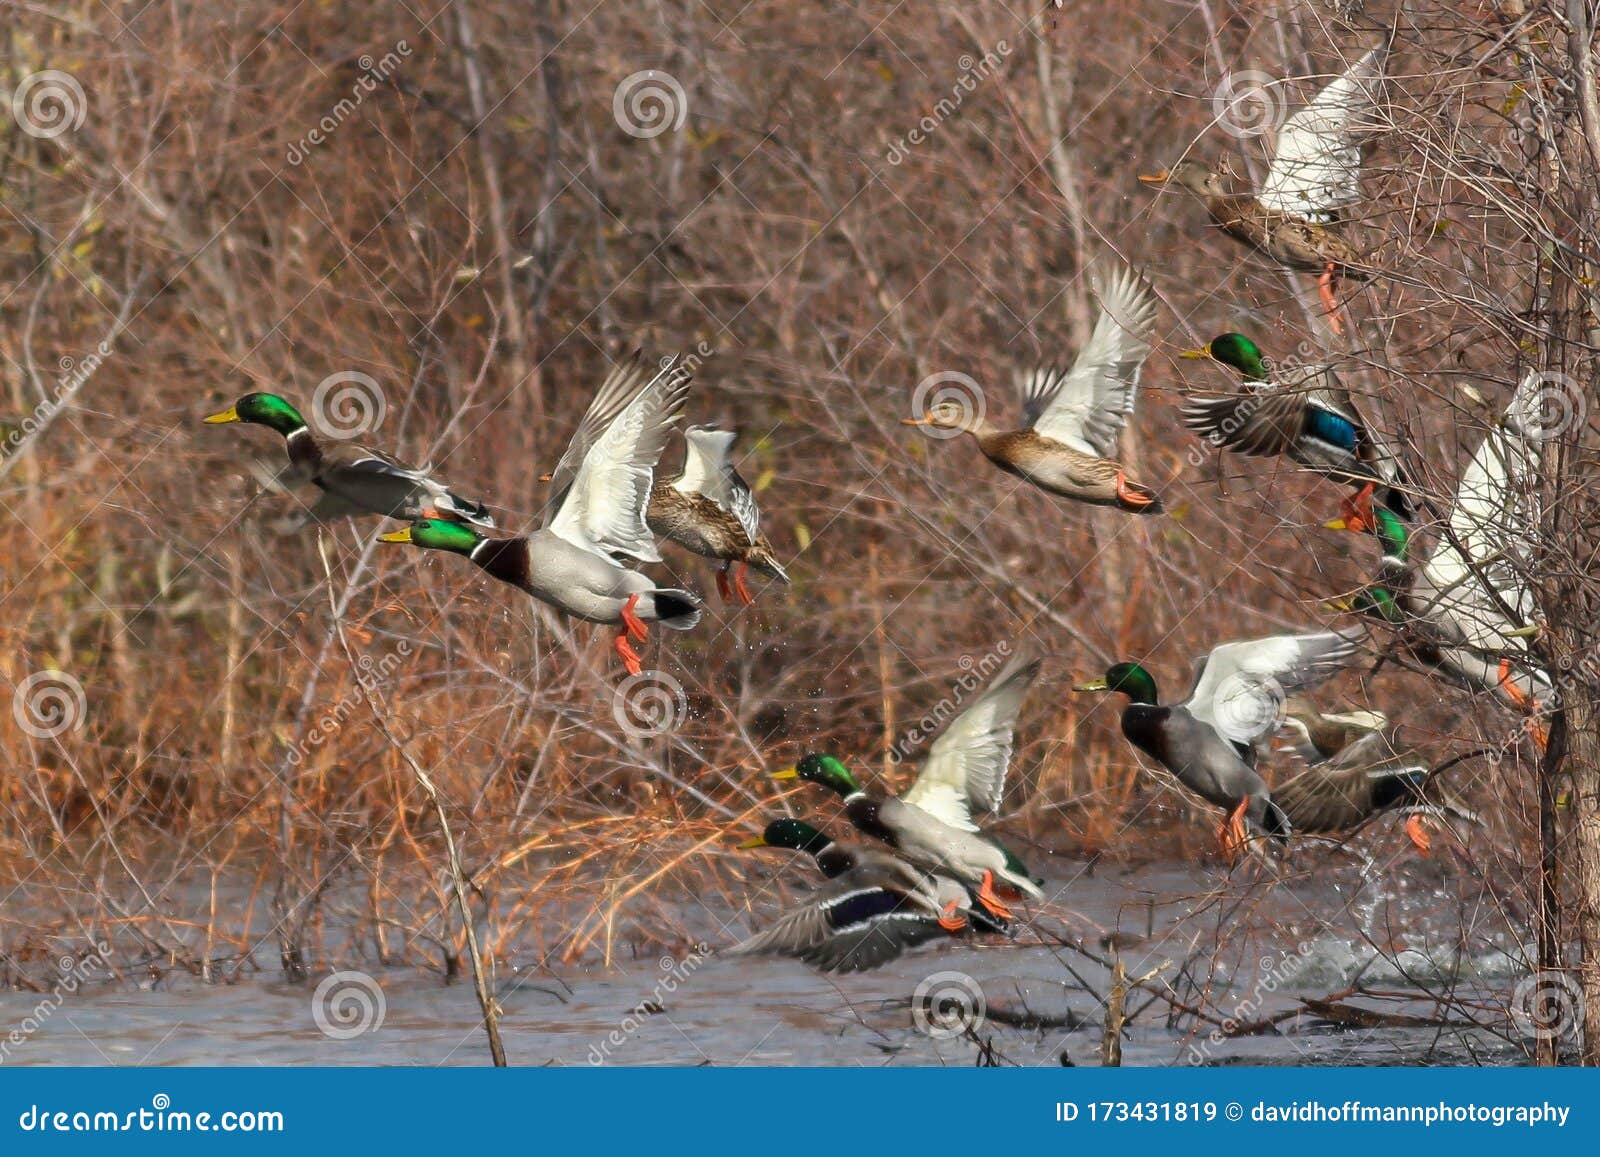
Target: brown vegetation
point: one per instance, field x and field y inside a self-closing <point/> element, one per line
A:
<point x="478" y="235"/>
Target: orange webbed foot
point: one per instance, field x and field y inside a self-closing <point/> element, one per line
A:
<point x="1235" y="836"/>
<point x="632" y="624"/>
<point x="630" y="657"/>
<point x="1418" y="831"/>
<point x="952" y="921"/>
<point x="1325" y="284"/>
<point x="723" y="587"/>
<point x="742" y="588"/>
<point x="992" y="902"/>
<point x="1356" y="509"/>
<point x="1131" y="497"/>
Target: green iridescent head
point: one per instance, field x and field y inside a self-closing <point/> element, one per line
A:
<point x="1393" y="533"/>
<point x="1376" y="602"/>
<point x="1237" y="352"/>
<point x="823" y="770"/>
<point x="796" y="835"/>
<point x="437" y="534"/>
<point x="1130" y="679"/>
<point x="262" y="410"/>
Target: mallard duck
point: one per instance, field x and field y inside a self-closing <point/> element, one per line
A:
<point x="1321" y="735"/>
<point x="1405" y="598"/>
<point x="1304" y="413"/>
<point x="354" y="479"/>
<point x="1072" y="419"/>
<point x="595" y="514"/>
<point x="1315" y="174"/>
<point x="931" y="826"/>
<point x="1455" y="605"/>
<point x="1374" y="774"/>
<point x="875" y="907"/>
<point x="709" y="510"/>
<point x="1208" y="741"/>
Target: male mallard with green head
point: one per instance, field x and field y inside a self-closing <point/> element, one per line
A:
<point x="354" y="479"/>
<point x="874" y="907"/>
<point x="931" y="826"/>
<point x="1305" y="414"/>
<point x="1315" y="174"/>
<point x="708" y="509"/>
<point x="1073" y="419"/>
<point x="595" y="515"/>
<point x="1455" y="606"/>
<point x="1208" y="741"/>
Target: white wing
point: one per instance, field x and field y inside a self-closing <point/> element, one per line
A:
<point x="1316" y="167"/>
<point x="1490" y="524"/>
<point x="604" y="509"/>
<point x="707" y="470"/>
<point x="1241" y="687"/>
<point x="967" y="764"/>
<point x="1087" y="407"/>
<point x="621" y="386"/>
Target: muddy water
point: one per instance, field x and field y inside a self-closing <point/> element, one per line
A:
<point x="1411" y="935"/>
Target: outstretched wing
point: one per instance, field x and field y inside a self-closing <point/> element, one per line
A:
<point x="1242" y="686"/>
<point x="603" y="510"/>
<point x="1316" y="169"/>
<point x="708" y="470"/>
<point x="1490" y="524"/>
<point x="1086" y="407"/>
<point x="622" y="385"/>
<point x="967" y="764"/>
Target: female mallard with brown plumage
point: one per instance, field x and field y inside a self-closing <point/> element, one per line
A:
<point x="1374" y="774"/>
<point x="1315" y="174"/>
<point x="1321" y="735"/>
<point x="708" y="509"/>
<point x="1073" y="419"/>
